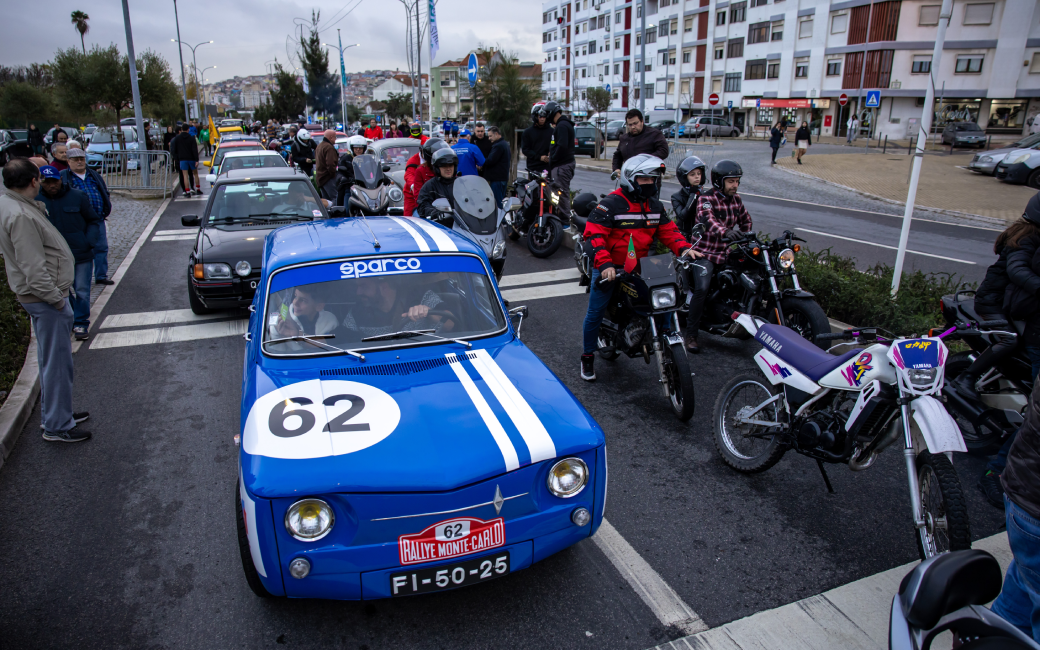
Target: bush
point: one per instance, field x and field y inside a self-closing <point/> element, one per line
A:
<point x="863" y="298"/>
<point x="14" y="336"/>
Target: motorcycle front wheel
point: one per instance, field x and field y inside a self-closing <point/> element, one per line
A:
<point x="543" y="242"/>
<point x="747" y="448"/>
<point x="942" y="501"/>
<point x="680" y="382"/>
<point x="807" y="318"/>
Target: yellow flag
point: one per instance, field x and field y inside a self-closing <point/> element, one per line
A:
<point x="212" y="130"/>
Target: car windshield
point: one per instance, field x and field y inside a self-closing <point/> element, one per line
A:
<point x="19" y="134"/>
<point x="391" y="301"/>
<point x="397" y="157"/>
<point x="1028" y="142"/>
<point x="218" y="157"/>
<point x="251" y="162"/>
<point x="585" y="132"/>
<point x="264" y="202"/>
<point x="967" y="126"/>
<point x="615" y="123"/>
<point x="108" y="137"/>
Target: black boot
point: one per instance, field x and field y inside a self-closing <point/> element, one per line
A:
<point x="588" y="373"/>
<point x="965" y="385"/>
<point x="691" y="342"/>
<point x="989" y="485"/>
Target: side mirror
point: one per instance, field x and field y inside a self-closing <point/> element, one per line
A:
<point x="211" y="178"/>
<point x="442" y="205"/>
<point x="337" y="211"/>
<point x="512" y="204"/>
<point x="190" y="221"/>
<point x="386" y="168"/>
<point x="520" y="313"/>
<point x="614" y="175"/>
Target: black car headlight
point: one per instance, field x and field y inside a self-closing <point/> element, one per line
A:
<point x="217" y="271"/>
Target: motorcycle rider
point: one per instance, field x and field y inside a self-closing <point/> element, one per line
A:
<point x="442" y="186"/>
<point x="302" y="151"/>
<point x="690" y="173"/>
<point x="620" y="230"/>
<point x="417" y="171"/>
<point x="416" y="132"/>
<point x="561" y="153"/>
<point x="726" y="219"/>
<point x="537" y="140"/>
<point x="345" y="169"/>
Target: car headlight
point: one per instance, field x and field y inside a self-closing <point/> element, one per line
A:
<point x="396" y="194"/>
<point x="309" y="520"/>
<point x="568" y="477"/>
<point x="1020" y="159"/>
<point x="243" y="268"/>
<point x="499" y="250"/>
<point x="664" y="297"/>
<point x="216" y="272"/>
<point x="986" y="159"/>
<point x="786" y="258"/>
<point x="922" y="376"/>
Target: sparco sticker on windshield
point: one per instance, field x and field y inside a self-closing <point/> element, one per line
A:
<point x="384" y="266"/>
<point x="452" y="538"/>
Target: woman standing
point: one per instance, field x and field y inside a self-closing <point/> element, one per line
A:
<point x="804" y="140"/>
<point x="775" y="135"/>
<point x="35" y="138"/>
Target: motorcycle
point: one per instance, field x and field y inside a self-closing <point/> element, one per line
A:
<point x="1004" y="389"/>
<point x="476" y="217"/>
<point x="539" y="216"/>
<point x="948" y="592"/>
<point x="372" y="191"/>
<point x="847" y="409"/>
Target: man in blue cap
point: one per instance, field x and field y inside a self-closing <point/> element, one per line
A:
<point x="470" y="157"/>
<point x="71" y="212"/>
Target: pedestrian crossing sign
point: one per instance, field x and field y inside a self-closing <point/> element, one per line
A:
<point x="873" y="99"/>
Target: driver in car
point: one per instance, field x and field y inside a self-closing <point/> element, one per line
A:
<point x="384" y="309"/>
<point x="305" y="316"/>
<point x="297" y="201"/>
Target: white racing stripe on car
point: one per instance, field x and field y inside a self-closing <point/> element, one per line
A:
<point x="443" y="242"/>
<point x="419" y="241"/>
<point x="539" y="443"/>
<point x="497" y="432"/>
<point x="249" y="515"/>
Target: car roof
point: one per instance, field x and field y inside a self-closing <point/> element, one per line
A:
<point x="259" y="174"/>
<point x="231" y="144"/>
<point x="330" y="239"/>
<point x="395" y="142"/>
<point x="243" y="154"/>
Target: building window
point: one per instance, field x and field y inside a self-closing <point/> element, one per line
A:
<point x="651" y="36"/>
<point x="969" y="64"/>
<point x="686" y="55"/>
<point x="839" y="23"/>
<point x="684" y="88"/>
<point x="674" y="27"/>
<point x="639" y="12"/>
<point x="738" y="12"/>
<point x="758" y="33"/>
<point x="755" y="70"/>
<point x="617" y="21"/>
<point x="662" y="29"/>
<point x="716" y="85"/>
<point x="733" y="82"/>
<point x="720" y="18"/>
<point x="759" y="3"/>
<point x="834" y="67"/>
<point x="921" y="65"/>
<point x="664" y="58"/>
<point x="665" y="3"/>
<point x="583" y="73"/>
<point x="929" y="15"/>
<point x="1034" y="68"/>
<point x="639" y="66"/>
<point x="635" y="93"/>
<point x="719" y="53"/>
<point x="805" y="29"/>
<point x="778" y="32"/>
<point x="773" y="71"/>
<point x="639" y="38"/>
<point x="687" y="25"/>
<point x="614" y="94"/>
<point x="671" y="57"/>
<point x="617" y="68"/>
<point x="978" y="14"/>
<point x="617" y="43"/>
<point x="649" y="67"/>
<point x="801" y="70"/>
<point x="735" y="48"/>
<point x="649" y="91"/>
<point x="583" y="51"/>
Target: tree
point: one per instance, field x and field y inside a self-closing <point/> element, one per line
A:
<point x="79" y="21"/>
<point x="353" y="113"/>
<point x="598" y="100"/>
<point x="314" y="58"/>
<point x="287" y="100"/>
<point x="398" y="105"/>
<point x="507" y="97"/>
<point x="23" y="100"/>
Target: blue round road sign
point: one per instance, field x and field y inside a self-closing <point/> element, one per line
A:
<point x="471" y="70"/>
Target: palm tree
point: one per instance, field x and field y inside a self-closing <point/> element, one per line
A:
<point x="79" y="19"/>
<point x="506" y="97"/>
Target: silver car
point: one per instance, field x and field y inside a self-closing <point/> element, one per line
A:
<point x="614" y="129"/>
<point x="986" y="162"/>
<point x="964" y="134"/>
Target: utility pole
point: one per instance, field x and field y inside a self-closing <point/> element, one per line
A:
<point x="180" y="54"/>
<point x="922" y="140"/>
<point x="418" y="63"/>
<point x="642" y="58"/>
<point x="142" y="135"/>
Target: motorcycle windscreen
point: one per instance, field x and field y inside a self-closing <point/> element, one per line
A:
<point x="368" y="171"/>
<point x="475" y="204"/>
<point x="657" y="269"/>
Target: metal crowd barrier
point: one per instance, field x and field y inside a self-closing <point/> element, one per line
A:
<point x="137" y="170"/>
<point x="677" y="152"/>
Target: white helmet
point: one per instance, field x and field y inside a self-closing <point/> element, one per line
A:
<point x="357" y="141"/>
<point x="304" y="135"/>
<point x="641" y="165"/>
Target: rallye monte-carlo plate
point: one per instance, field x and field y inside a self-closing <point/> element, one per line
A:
<point x="451" y="576"/>
<point x="452" y="538"/>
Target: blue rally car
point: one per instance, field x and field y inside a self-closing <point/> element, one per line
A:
<point x="397" y="437"/>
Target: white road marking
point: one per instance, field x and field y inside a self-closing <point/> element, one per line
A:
<point x="169" y="334"/>
<point x="571" y="273"/>
<point x="157" y="318"/>
<point x="180" y="231"/>
<point x="505" y="445"/>
<point x="893" y="248"/>
<point x="419" y="241"/>
<point x="647" y="583"/>
<point x="438" y="236"/>
<point x="173" y="237"/>
<point x="549" y="291"/>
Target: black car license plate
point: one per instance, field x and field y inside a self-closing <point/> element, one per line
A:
<point x="451" y="576"/>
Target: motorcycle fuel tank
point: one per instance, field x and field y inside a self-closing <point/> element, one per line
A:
<point x="870" y="364"/>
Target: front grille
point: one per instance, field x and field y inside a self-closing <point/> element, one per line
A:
<point x="1001" y="174"/>
<point x="975" y="158"/>
<point x="403" y="368"/>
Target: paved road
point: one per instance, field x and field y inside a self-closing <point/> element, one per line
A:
<point x="129" y="540"/>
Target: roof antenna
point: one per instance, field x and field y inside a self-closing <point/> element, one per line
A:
<point x="376" y="239"/>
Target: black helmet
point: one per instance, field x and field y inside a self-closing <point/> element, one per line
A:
<point x="722" y="170"/>
<point x="430" y="146"/>
<point x="1032" y="212"/>
<point x="688" y="165"/>
<point x="536" y="110"/>
<point x="549" y="109"/>
<point x="584" y="203"/>
<point x="445" y="157"/>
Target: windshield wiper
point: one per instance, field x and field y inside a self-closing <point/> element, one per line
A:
<point x="313" y="340"/>
<point x="407" y="334"/>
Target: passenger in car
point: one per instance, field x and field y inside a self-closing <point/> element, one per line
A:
<point x="383" y="309"/>
<point x="305" y="316"/>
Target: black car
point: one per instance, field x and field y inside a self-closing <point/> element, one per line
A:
<point x="964" y="134"/>
<point x="244" y="205"/>
<point x="14" y="143"/>
<point x="589" y="140"/>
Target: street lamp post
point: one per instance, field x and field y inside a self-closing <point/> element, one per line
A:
<point x="642" y="58"/>
<point x="180" y="54"/>
<point x="203" y="75"/>
<point x="342" y="90"/>
<point x="194" y="65"/>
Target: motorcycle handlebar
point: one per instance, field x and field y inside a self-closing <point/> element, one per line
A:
<point x="992" y="323"/>
<point x="834" y="337"/>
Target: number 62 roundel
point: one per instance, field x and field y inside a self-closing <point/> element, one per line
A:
<point x="315" y="418"/>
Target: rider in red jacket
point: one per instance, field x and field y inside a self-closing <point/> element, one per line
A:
<point x="416" y="132"/>
<point x="417" y="171"/>
<point x="373" y="131"/>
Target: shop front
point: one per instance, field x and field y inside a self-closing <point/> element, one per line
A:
<point x="767" y="112"/>
<point x="1007" y="116"/>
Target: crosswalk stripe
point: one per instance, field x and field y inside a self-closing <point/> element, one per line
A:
<point x="157" y="318"/>
<point x="173" y="238"/>
<point x="169" y="334"/>
<point x="550" y="291"/>
<point x="571" y="273"/>
<point x="179" y="231"/>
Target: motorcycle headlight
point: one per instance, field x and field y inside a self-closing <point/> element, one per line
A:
<point x="922" y="377"/>
<point x="243" y="268"/>
<point x="309" y="520"/>
<point x="663" y="297"/>
<point x="568" y="477"/>
<point x="396" y="194"/>
<point x="786" y="258"/>
<point x="216" y="271"/>
<point x="1020" y="159"/>
<point x="499" y="250"/>
<point x="554" y="198"/>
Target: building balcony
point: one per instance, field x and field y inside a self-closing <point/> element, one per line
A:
<point x="447" y="83"/>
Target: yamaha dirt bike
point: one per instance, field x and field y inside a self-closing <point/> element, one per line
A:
<point x="477" y="218"/>
<point x="847" y="409"/>
<point x="539" y="216"/>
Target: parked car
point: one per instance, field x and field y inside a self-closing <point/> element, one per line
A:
<point x="986" y="162"/>
<point x="614" y="129"/>
<point x="107" y="139"/>
<point x="246" y="160"/>
<point x="69" y="131"/>
<point x="964" y="134"/>
<point x="703" y="126"/>
<point x="662" y="125"/>
<point x="86" y="135"/>
<point x="1021" y="166"/>
<point x="589" y="140"/>
<point x="14" y="143"/>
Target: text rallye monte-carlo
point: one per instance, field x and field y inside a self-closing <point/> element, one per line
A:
<point x="397" y="437"/>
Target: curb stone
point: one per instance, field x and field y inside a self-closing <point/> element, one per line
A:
<point x="20" y="403"/>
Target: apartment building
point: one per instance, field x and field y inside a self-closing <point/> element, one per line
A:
<point x="768" y="59"/>
<point x="452" y="96"/>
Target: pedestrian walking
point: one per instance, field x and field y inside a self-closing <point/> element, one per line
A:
<point x="186" y="150"/>
<point x="561" y="154"/>
<point x="169" y="135"/>
<point x="803" y="139"/>
<point x="80" y="177"/>
<point x="481" y="139"/>
<point x="69" y="211"/>
<point x="204" y="138"/>
<point x="40" y="271"/>
<point x="326" y="160"/>
<point x="496" y="164"/>
<point x="775" y="137"/>
<point x="455" y="130"/>
<point x="35" y="138"/>
<point x="59" y="156"/>
<point x="853" y="125"/>
<point x="470" y="157"/>
<point x="639" y="138"/>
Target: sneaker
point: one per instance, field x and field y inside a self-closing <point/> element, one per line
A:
<point x="81" y="333"/>
<point x="72" y="435"/>
<point x="77" y="417"/>
<point x="104" y="281"/>
<point x="989" y="485"/>
<point x="588" y="373"/>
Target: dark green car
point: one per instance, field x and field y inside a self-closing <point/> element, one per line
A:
<point x="590" y="141"/>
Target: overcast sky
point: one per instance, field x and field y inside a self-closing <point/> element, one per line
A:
<point x="247" y="34"/>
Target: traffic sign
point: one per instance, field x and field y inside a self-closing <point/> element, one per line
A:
<point x="873" y="99"/>
<point x="729" y="104"/>
<point x="608" y="88"/>
<point x="713" y="99"/>
<point x="471" y="70"/>
<point x="843" y="99"/>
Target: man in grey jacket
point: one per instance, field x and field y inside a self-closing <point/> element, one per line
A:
<point x="40" y="268"/>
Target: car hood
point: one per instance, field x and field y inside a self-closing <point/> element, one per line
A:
<point x="233" y="245"/>
<point x="446" y="419"/>
<point x="397" y="177"/>
<point x="1012" y="154"/>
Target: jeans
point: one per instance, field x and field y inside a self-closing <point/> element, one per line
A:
<point x="53" y="328"/>
<point x="562" y="179"/>
<point x="1019" y="600"/>
<point x="1033" y="354"/>
<point x="81" y="294"/>
<point x="701" y="271"/>
<point x="599" y="296"/>
<point x="498" y="188"/>
<point x="101" y="253"/>
<point x="775" y="149"/>
<point x="328" y="190"/>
